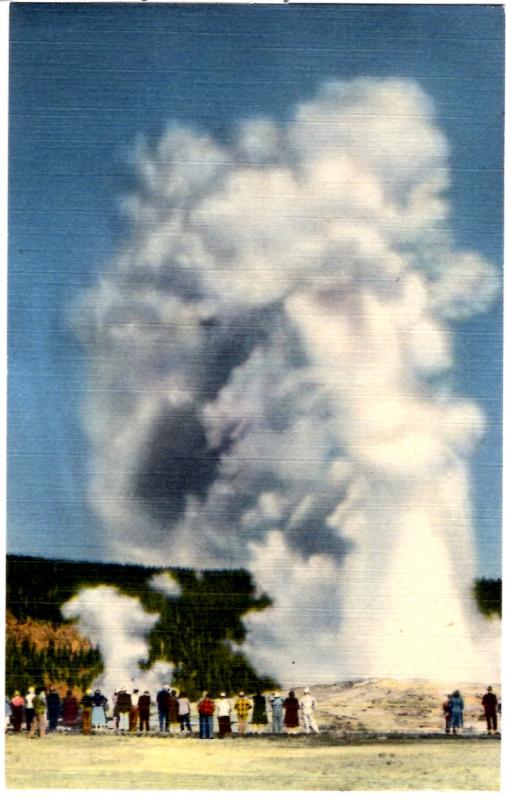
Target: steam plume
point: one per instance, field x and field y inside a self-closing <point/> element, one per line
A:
<point x="271" y="381"/>
<point x="118" y="625"/>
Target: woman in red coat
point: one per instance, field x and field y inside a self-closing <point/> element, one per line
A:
<point x="70" y="710"/>
<point x="291" y="706"/>
<point x="17" y="708"/>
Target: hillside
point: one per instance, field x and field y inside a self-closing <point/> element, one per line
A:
<point x="393" y="706"/>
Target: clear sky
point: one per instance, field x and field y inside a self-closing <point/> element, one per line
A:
<point x="87" y="80"/>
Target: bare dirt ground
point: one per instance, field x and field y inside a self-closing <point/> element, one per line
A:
<point x="103" y="762"/>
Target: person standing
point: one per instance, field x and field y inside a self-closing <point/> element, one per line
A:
<point x="98" y="719"/>
<point x="184" y="712"/>
<point x="53" y="708"/>
<point x="489" y="703"/>
<point x="134" y="712"/>
<point x="291" y="706"/>
<point x="457" y="706"/>
<point x="223" y="711"/>
<point x="162" y="699"/>
<point x="144" y="711"/>
<point x="29" y="712"/>
<point x="242" y="708"/>
<point x="259" y="718"/>
<point x="206" y="710"/>
<point x="173" y="707"/>
<point x="447" y="713"/>
<point x="86" y="709"/>
<point x="17" y="707"/>
<point x="277" y="713"/>
<point x="70" y="710"/>
<point x="123" y="704"/>
<point x="308" y="708"/>
<point x="39" y="718"/>
<point x="8" y="712"/>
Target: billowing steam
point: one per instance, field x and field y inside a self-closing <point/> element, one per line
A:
<point x="270" y="381"/>
<point x="118" y="625"/>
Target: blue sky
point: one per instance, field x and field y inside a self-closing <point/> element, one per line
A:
<point x="86" y="81"/>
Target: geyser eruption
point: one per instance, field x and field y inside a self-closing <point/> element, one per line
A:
<point x="271" y="382"/>
<point x="118" y="625"/>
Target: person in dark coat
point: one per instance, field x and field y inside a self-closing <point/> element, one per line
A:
<point x="53" y="701"/>
<point x="144" y="711"/>
<point x="489" y="703"/>
<point x="123" y="705"/>
<point x="291" y="706"/>
<point x="70" y="710"/>
<point x="162" y="699"/>
<point x="259" y="718"/>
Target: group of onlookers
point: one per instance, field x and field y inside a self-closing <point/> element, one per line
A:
<point x="131" y="712"/>
<point x="453" y="710"/>
<point x="283" y="712"/>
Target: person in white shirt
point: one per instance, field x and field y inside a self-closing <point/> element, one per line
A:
<point x="308" y="707"/>
<point x="184" y="712"/>
<point x="29" y="710"/>
<point x="223" y="711"/>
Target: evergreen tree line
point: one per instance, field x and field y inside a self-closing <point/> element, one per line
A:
<point x="26" y="665"/>
<point x="199" y="631"/>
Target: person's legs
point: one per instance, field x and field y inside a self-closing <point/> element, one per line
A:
<point x="29" y="715"/>
<point x="86" y="720"/>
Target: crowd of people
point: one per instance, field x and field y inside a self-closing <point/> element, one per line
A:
<point x="40" y="711"/>
<point x="134" y="711"/>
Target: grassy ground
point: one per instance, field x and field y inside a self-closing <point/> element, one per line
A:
<point x="102" y="762"/>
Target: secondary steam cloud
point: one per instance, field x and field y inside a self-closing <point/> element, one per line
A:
<point x="270" y="381"/>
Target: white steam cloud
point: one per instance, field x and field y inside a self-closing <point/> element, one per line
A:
<point x="118" y="625"/>
<point x="270" y="382"/>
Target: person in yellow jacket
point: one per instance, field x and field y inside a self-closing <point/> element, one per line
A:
<point x="242" y="708"/>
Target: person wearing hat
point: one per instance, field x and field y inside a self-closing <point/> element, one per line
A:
<point x="489" y="703"/>
<point x="223" y="711"/>
<point x="308" y="707"/>
<point x="242" y="708"/>
<point x="277" y="713"/>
